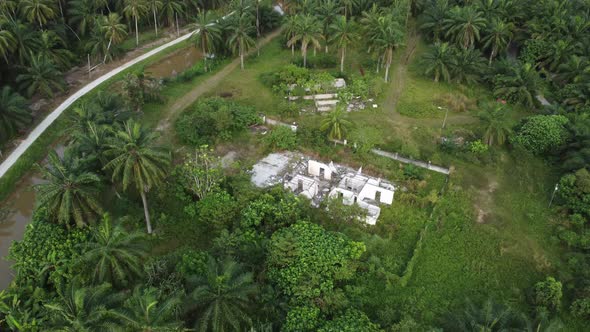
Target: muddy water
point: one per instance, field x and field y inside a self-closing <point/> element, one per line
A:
<point x="20" y="205"/>
<point x="175" y="63"/>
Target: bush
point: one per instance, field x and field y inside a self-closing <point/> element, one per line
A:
<point x="548" y="294"/>
<point x="319" y="61"/>
<point x="213" y="118"/>
<point x="541" y="133"/>
<point x="281" y="138"/>
<point x="45" y="244"/>
<point x="412" y="172"/>
<point x="580" y="308"/>
<point x="192" y="263"/>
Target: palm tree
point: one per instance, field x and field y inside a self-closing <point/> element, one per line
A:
<point x="240" y="40"/>
<point x="521" y="84"/>
<point x="335" y="124"/>
<point x="207" y="33"/>
<point x="136" y="161"/>
<point x="344" y="33"/>
<point x="81" y="308"/>
<point x="469" y="66"/>
<point x="8" y="8"/>
<point x="39" y="11"/>
<point x="389" y="36"/>
<point x="488" y="316"/>
<point x="82" y="14"/>
<point x="91" y="143"/>
<point x="464" y="25"/>
<point x="170" y="11"/>
<point x="432" y="19"/>
<point x="438" y="61"/>
<point x="498" y="37"/>
<point x="135" y="9"/>
<point x="155" y="6"/>
<point x="308" y="30"/>
<point x="146" y="311"/>
<point x="26" y="40"/>
<point x="14" y="113"/>
<point x="290" y="29"/>
<point x="327" y="12"/>
<point x="348" y="6"/>
<point x="7" y="41"/>
<point x="114" y="255"/>
<point x="113" y="30"/>
<point x="496" y="127"/>
<point x="70" y="193"/>
<point x="222" y="297"/>
<point x="41" y="76"/>
<point x="53" y="47"/>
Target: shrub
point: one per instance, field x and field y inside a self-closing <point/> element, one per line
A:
<point x="541" y="133"/>
<point x="580" y="308"/>
<point x="192" y="263"/>
<point x="548" y="294"/>
<point x="45" y="244"/>
<point x="212" y="118"/>
<point x="412" y="172"/>
<point x="281" y="138"/>
<point x="478" y="148"/>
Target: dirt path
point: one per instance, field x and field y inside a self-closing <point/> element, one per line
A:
<point x="209" y="84"/>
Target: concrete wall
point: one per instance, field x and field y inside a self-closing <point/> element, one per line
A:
<point x="314" y="169"/>
<point x="370" y="191"/>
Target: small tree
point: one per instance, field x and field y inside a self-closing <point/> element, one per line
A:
<point x="201" y="172"/>
<point x="542" y="133"/>
<point x="548" y="294"/>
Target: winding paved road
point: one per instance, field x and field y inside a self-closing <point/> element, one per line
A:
<point x="26" y="143"/>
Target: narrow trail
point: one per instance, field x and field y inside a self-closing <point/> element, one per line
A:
<point x="398" y="84"/>
<point x="209" y="84"/>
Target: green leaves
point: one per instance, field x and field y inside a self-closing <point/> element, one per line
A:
<point x="542" y="133"/>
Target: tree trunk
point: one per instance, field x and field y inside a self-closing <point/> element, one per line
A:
<point x="304" y="58"/>
<point x="292" y="49"/>
<point x="156" y="23"/>
<point x="136" y="33"/>
<point x="387" y="73"/>
<point x="205" y="57"/>
<point x="177" y="26"/>
<point x="326" y="48"/>
<point x="342" y="60"/>
<point x="146" y="212"/>
<point x="104" y="60"/>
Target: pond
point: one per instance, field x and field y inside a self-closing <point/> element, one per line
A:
<point x="174" y="63"/>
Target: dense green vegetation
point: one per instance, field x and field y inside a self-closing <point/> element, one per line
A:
<point x="495" y="246"/>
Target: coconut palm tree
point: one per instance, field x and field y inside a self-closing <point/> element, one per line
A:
<point x="37" y="11"/>
<point x="113" y="30"/>
<point x="82" y="14"/>
<point x="155" y="6"/>
<point x="343" y="33"/>
<point x="14" y="113"/>
<point x="135" y="9"/>
<point x="207" y="33"/>
<point x="348" y="6"/>
<point x="8" y="8"/>
<point x="335" y="124"/>
<point x="327" y="12"/>
<point x="498" y="37"/>
<point x="114" y="255"/>
<point x="496" y="127"/>
<point x="240" y="40"/>
<point x="70" y="193"/>
<point x="136" y="161"/>
<point x="290" y="28"/>
<point x="438" y="61"/>
<point x="41" y="76"/>
<point x="222" y="297"/>
<point x="170" y="11"/>
<point x="464" y="25"/>
<point x="91" y="143"/>
<point x="81" y="308"/>
<point x="308" y="30"/>
<point x="146" y="311"/>
<point x="389" y="36"/>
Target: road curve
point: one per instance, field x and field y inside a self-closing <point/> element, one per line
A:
<point x="41" y="127"/>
